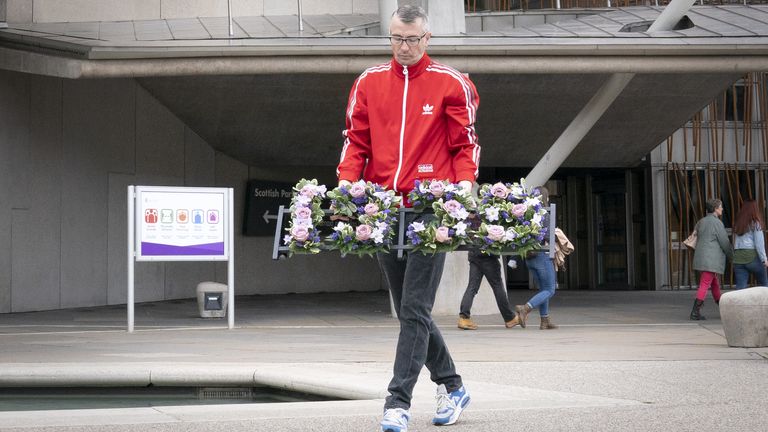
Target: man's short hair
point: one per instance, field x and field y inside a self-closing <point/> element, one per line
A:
<point x="712" y="204"/>
<point x="408" y="14"/>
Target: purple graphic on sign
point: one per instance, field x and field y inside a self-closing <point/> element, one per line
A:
<point x="156" y="249"/>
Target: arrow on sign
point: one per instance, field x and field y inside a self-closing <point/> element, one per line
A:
<point x="267" y="217"/>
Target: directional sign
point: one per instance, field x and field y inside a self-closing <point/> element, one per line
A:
<point x="263" y="200"/>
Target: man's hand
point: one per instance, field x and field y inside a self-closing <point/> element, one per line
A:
<point x="345" y="183"/>
<point x="466" y="185"/>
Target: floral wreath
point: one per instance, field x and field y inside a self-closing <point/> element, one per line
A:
<point x="511" y="217"/>
<point x="450" y="228"/>
<point x="306" y="213"/>
<point x="368" y="212"/>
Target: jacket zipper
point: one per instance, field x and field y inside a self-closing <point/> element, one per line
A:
<point x="402" y="128"/>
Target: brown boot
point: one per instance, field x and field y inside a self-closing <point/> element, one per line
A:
<point x="467" y="324"/>
<point x="546" y="324"/>
<point x="522" y="313"/>
<point x="513" y="322"/>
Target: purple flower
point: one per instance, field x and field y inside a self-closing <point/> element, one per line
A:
<point x="496" y="232"/>
<point x="363" y="232"/>
<point x="300" y="233"/>
<point x="357" y="190"/>
<point x="499" y="190"/>
<point x="437" y="188"/>
<point x="309" y="190"/>
<point x="519" y="210"/>
<point x="441" y="234"/>
<point x="371" y="209"/>
<point x="303" y="213"/>
<point x="451" y="207"/>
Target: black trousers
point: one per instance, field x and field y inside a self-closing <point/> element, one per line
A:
<point x="485" y="265"/>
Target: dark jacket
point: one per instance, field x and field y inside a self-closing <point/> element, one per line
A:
<point x="712" y="245"/>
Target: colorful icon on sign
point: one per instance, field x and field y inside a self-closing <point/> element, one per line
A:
<point x="150" y="216"/>
<point x="166" y="216"/>
<point x="213" y="216"/>
<point x="197" y="217"/>
<point x="182" y="216"/>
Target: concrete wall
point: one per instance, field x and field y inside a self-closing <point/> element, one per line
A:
<point x="68" y="150"/>
<point x="125" y="10"/>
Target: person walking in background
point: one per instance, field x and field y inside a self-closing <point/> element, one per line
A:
<point x="480" y="265"/>
<point x="542" y="269"/>
<point x="749" y="246"/>
<point x="413" y="118"/>
<point x="712" y="247"/>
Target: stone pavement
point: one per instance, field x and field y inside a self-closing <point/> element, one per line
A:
<point x="620" y="361"/>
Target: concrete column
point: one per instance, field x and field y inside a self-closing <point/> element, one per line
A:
<point x="446" y="17"/>
<point x="3" y="7"/>
<point x="578" y="129"/>
<point x="386" y="8"/>
<point x="16" y="11"/>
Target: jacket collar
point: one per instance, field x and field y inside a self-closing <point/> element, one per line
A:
<point x="414" y="70"/>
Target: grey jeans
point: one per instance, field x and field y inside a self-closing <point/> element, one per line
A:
<point x="413" y="284"/>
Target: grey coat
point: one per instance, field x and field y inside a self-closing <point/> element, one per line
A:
<point x="712" y="245"/>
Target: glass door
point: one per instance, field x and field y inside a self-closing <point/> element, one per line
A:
<point x="611" y="233"/>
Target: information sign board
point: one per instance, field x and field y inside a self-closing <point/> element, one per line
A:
<point x="181" y="224"/>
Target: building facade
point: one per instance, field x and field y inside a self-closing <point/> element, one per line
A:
<point x="70" y="145"/>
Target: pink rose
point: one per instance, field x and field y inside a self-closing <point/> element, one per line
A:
<point x="357" y="190"/>
<point x="496" y="232"/>
<point x="518" y="210"/>
<point x="436" y="188"/>
<point x="441" y="235"/>
<point x="303" y="213"/>
<point x="309" y="190"/>
<point x="300" y="233"/>
<point x="499" y="190"/>
<point x="363" y="232"/>
<point x="371" y="209"/>
<point x="451" y="206"/>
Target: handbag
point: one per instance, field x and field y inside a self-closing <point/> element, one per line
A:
<point x="691" y="240"/>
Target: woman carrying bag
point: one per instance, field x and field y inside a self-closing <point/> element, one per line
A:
<point x="712" y="247"/>
<point x="749" y="244"/>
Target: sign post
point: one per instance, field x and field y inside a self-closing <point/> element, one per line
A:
<point x="180" y="224"/>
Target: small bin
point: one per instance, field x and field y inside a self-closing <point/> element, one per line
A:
<point x="212" y="299"/>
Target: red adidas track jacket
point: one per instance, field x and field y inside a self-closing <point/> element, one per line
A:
<point x="408" y="123"/>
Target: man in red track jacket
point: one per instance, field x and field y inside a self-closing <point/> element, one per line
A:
<point x="409" y="119"/>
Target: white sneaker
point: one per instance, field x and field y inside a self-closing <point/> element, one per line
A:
<point x="395" y="420"/>
<point x="450" y="405"/>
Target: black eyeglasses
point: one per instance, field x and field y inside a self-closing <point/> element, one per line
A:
<point x="412" y="41"/>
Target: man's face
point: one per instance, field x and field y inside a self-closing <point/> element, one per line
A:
<point x="404" y="53"/>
